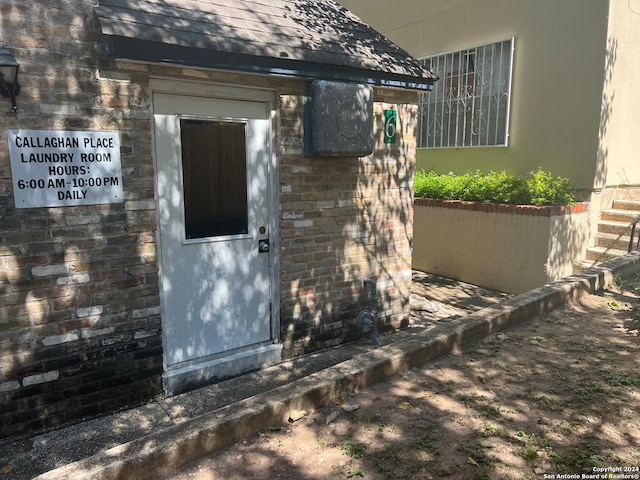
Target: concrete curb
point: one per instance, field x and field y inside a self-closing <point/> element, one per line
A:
<point x="161" y="452"/>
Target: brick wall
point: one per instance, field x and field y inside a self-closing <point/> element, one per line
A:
<point x="80" y="329"/>
<point x="80" y="324"/>
<point x="343" y="220"/>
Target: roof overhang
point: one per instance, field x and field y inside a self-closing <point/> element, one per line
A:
<point x="134" y="49"/>
<point x="299" y="38"/>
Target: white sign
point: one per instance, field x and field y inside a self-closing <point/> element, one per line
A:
<point x="53" y="168"/>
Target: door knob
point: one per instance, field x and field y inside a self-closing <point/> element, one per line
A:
<point x="263" y="246"/>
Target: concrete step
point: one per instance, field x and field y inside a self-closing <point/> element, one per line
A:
<point x="614" y="228"/>
<point x="602" y="254"/>
<point x="582" y="265"/>
<point x="612" y="241"/>
<point x="627" y="205"/>
<point x="632" y="193"/>
<point x="619" y="215"/>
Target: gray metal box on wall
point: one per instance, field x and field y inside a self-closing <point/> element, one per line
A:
<point x="341" y="119"/>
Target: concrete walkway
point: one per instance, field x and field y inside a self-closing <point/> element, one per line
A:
<point x="150" y="441"/>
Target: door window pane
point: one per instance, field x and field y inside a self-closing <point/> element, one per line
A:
<point x="214" y="178"/>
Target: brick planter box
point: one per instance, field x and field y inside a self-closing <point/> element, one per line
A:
<point x="511" y="248"/>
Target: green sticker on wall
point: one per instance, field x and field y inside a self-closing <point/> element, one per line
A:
<point x="390" y="126"/>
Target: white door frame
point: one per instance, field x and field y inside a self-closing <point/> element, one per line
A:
<point x="196" y="373"/>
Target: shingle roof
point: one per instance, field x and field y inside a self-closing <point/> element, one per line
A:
<point x="307" y="38"/>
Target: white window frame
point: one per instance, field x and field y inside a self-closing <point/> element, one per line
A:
<point x="471" y="102"/>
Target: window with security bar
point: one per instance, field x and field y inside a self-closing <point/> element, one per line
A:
<point x="469" y="106"/>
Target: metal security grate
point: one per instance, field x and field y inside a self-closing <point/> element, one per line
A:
<point x="469" y="106"/>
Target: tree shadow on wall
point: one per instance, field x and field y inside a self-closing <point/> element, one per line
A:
<point x="354" y="221"/>
<point x="606" y="112"/>
<point x="79" y="286"/>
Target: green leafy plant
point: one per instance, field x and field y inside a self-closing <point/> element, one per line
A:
<point x="355" y="472"/>
<point x="352" y="449"/>
<point x="536" y="188"/>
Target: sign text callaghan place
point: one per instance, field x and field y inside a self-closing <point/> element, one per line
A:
<point x="53" y="168"/>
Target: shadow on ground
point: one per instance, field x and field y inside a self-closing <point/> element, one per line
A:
<point x="446" y="299"/>
<point x="557" y="395"/>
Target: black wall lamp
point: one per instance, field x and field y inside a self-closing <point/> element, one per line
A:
<point x="9" y="86"/>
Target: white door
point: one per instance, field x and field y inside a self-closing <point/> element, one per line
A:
<point x="212" y="161"/>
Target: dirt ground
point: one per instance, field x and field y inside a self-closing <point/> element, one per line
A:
<point x="558" y="395"/>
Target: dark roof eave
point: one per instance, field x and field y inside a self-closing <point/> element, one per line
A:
<point x="169" y="54"/>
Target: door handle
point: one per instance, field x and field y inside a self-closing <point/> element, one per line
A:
<point x="263" y="246"/>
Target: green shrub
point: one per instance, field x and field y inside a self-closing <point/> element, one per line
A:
<point x="547" y="190"/>
<point x="537" y="188"/>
